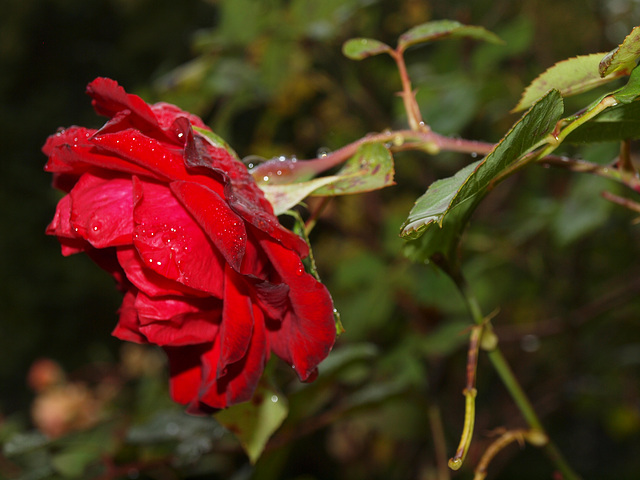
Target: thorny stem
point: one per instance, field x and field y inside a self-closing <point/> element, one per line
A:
<point x="515" y="390"/>
<point x="469" y="393"/>
<point x="408" y="95"/>
<point x="611" y="172"/>
<point x="399" y="140"/>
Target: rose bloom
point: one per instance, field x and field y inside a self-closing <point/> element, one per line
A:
<point x="208" y="272"/>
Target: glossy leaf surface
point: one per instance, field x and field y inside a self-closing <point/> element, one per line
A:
<point x="369" y="169"/>
<point x="436" y="30"/>
<point x="361" y="48"/>
<point x="570" y="77"/>
<point x="437" y="220"/>
<point x="624" y="56"/>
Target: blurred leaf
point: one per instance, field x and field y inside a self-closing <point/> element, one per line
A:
<point x="369" y="169"/>
<point x="360" y="48"/>
<point x="255" y="421"/>
<point x="72" y="463"/>
<point x="24" y="442"/>
<point x="623" y="56"/>
<point x="582" y="210"/>
<point x="445" y="339"/>
<point x="430" y="31"/>
<point x="438" y="218"/>
<point x="374" y="394"/>
<point x="345" y="355"/>
<point x="450" y="102"/>
<point x="173" y="425"/>
<point x="570" y="77"/>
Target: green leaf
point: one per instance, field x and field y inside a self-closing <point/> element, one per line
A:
<point x="255" y="421"/>
<point x="570" y="77"/>
<point x="616" y="123"/>
<point x="437" y="220"/>
<point x="369" y="169"/>
<point x="437" y="30"/>
<point x="360" y="48"/>
<point x="624" y="56"/>
<point x="72" y="462"/>
<point x="216" y="140"/>
<point x="631" y="90"/>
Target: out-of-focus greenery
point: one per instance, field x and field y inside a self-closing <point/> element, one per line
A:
<point x="558" y="263"/>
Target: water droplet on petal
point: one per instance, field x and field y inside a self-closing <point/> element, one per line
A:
<point x="274" y="398"/>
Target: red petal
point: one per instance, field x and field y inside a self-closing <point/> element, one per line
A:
<point x="109" y="98"/>
<point x="158" y="159"/>
<point x="185" y="369"/>
<point x="241" y="378"/>
<point x="171" y="243"/>
<point x="73" y="151"/>
<point x="61" y="227"/>
<point x="237" y="320"/>
<point x="167" y="113"/>
<point x="102" y="210"/>
<point x="147" y="280"/>
<point x="128" y="325"/>
<point x="307" y="332"/>
<point x="225" y="229"/>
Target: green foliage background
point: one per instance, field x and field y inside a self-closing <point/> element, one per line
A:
<point x="560" y="263"/>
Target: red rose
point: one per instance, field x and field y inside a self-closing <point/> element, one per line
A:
<point x="208" y="272"/>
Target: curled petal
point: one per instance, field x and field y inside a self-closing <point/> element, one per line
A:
<point x="109" y="99"/>
<point x="128" y="325"/>
<point x="307" y="331"/>
<point x="101" y="210"/>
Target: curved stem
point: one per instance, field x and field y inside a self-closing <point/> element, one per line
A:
<point x="295" y="170"/>
<point x="515" y="390"/>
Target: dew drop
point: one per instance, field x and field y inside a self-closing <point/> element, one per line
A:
<point x="474" y="154"/>
<point x="274" y="398"/>
<point x="172" y="428"/>
<point x="265" y="178"/>
<point x="251" y="161"/>
<point x="180" y="135"/>
<point x="96" y="226"/>
<point x="323" y="152"/>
